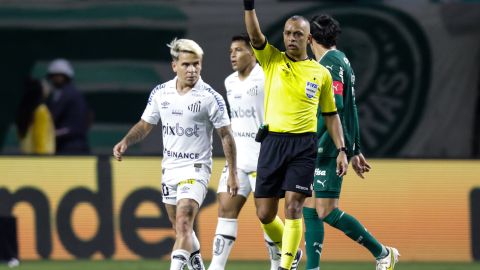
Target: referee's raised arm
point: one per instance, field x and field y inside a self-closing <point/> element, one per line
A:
<point x="257" y="39"/>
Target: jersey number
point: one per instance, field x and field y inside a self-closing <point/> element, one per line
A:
<point x="165" y="190"/>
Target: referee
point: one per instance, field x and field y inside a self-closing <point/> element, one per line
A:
<point x="295" y="87"/>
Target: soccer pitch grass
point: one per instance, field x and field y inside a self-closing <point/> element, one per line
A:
<point x="233" y="265"/>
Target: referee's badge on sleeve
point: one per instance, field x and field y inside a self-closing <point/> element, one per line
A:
<point x="311" y="89"/>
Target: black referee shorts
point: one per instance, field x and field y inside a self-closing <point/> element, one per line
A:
<point x="286" y="163"/>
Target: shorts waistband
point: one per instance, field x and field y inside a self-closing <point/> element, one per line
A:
<point x="286" y="134"/>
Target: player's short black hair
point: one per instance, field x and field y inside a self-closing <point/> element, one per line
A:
<point x="325" y="30"/>
<point x="242" y="37"/>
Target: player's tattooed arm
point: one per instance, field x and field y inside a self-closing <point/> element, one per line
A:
<point x="137" y="133"/>
<point x="230" y="150"/>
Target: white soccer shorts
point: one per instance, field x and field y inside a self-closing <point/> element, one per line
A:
<point x="247" y="182"/>
<point x="176" y="185"/>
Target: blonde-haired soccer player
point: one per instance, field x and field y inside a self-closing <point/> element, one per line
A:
<point x="189" y="110"/>
<point x="294" y="88"/>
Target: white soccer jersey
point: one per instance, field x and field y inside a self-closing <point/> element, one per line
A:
<point x="187" y="124"/>
<point x="246" y="111"/>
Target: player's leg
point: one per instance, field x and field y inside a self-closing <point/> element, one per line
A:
<point x="299" y="173"/>
<point x="327" y="208"/>
<point x="195" y="262"/>
<point x="227" y="225"/>
<point x="328" y="193"/>
<point x="188" y="202"/>
<point x="187" y="210"/>
<point x="179" y="258"/>
<point x="314" y="234"/>
<point x="272" y="225"/>
<point x="314" y="229"/>
<point x="268" y="187"/>
<point x="274" y="252"/>
<point x="292" y="233"/>
<point x="169" y="193"/>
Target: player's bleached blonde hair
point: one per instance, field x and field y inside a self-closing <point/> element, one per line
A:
<point x="184" y="45"/>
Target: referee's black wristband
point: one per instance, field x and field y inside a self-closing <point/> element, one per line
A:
<point x="248" y="4"/>
<point x="344" y="149"/>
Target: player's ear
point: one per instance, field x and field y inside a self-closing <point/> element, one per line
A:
<point x="174" y="66"/>
<point x="309" y="39"/>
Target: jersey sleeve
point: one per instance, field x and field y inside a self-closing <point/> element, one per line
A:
<point x="266" y="54"/>
<point x="336" y="70"/>
<point x="217" y="111"/>
<point x="151" y="114"/>
<point x="228" y="90"/>
<point x="327" y="100"/>
<point x="333" y="65"/>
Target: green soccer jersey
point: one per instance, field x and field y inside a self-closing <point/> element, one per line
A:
<point x="343" y="87"/>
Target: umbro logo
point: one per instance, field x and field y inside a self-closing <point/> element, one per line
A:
<point x="195" y="107"/>
<point x="165" y="104"/>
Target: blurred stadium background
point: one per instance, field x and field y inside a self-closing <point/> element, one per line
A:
<point x="418" y="90"/>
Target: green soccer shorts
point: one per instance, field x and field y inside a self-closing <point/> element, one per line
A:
<point x="326" y="182"/>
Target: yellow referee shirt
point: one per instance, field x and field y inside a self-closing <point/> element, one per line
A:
<point x="293" y="91"/>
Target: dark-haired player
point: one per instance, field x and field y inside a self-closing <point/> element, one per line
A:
<point x="323" y="206"/>
<point x="245" y="96"/>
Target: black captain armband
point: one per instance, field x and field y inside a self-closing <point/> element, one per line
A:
<point x="248" y="4"/>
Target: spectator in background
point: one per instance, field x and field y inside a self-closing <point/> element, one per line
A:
<point x="69" y="110"/>
<point x="34" y="122"/>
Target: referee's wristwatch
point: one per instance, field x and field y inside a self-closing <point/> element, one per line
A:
<point x="344" y="149"/>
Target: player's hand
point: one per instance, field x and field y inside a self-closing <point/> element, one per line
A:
<point x="119" y="149"/>
<point x="342" y="163"/>
<point x="360" y="165"/>
<point x="232" y="184"/>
